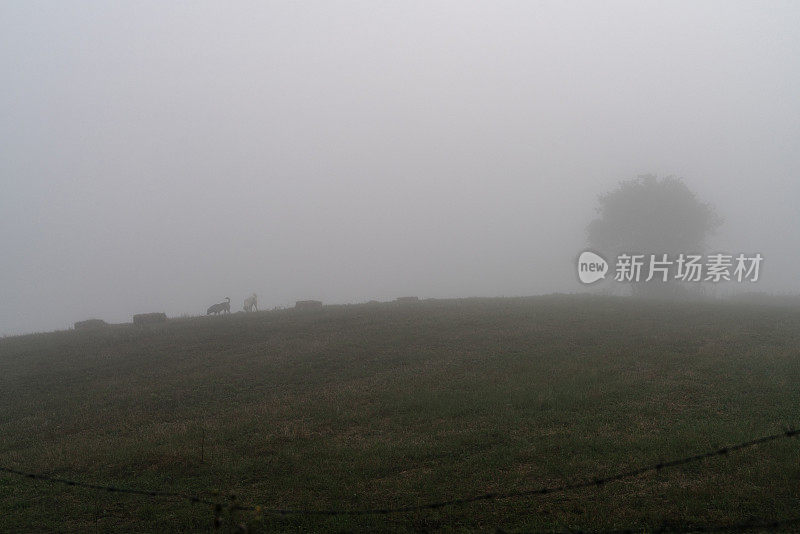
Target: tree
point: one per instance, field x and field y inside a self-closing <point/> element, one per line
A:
<point x="648" y="216"/>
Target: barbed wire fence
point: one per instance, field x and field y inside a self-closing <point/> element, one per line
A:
<point x="233" y="505"/>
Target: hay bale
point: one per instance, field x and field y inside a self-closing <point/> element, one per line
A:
<point x="307" y="304"/>
<point x="149" y="318"/>
<point x="89" y="324"/>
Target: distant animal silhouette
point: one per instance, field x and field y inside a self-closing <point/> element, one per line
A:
<point x="251" y="303"/>
<point x="221" y="307"/>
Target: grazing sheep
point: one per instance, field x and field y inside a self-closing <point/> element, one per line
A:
<point x="251" y="303"/>
<point x="221" y="307"/>
<point x="149" y="318"/>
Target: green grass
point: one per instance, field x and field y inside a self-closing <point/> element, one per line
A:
<point x="389" y="405"/>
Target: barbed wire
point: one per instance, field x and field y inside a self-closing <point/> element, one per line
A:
<point x="109" y="489"/>
<point x="670" y="529"/>
<point x="598" y="481"/>
<point x="594" y="482"/>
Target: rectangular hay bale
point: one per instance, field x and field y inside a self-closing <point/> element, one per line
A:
<point x="149" y="318"/>
<point x="307" y="304"/>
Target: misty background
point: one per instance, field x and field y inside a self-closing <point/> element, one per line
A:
<point x="160" y="156"/>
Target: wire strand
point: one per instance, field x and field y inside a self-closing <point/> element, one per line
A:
<point x="580" y="484"/>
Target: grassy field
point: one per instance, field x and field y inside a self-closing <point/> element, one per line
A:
<point x="380" y="405"/>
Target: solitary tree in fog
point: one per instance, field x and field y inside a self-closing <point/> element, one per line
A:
<point x="649" y="215"/>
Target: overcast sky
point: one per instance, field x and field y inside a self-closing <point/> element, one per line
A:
<point x="160" y="156"/>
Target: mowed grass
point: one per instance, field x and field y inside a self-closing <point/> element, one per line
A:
<point x="383" y="405"/>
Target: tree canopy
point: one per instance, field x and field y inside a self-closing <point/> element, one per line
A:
<point x="652" y="216"/>
<point x="649" y="215"/>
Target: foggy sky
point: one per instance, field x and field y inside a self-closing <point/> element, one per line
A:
<point x="159" y="156"/>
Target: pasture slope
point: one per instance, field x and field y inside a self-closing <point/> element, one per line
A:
<point x="381" y="405"/>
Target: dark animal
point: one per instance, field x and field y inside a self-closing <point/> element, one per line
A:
<point x="216" y="309"/>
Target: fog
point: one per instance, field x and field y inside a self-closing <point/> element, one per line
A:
<point x="160" y="156"/>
